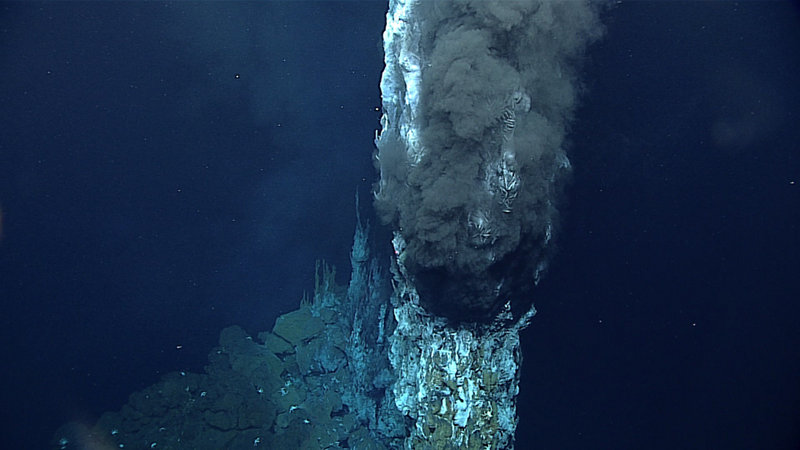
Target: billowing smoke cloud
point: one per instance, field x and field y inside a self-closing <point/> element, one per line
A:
<point x="478" y="96"/>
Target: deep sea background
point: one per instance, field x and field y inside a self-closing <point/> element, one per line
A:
<point x="168" y="169"/>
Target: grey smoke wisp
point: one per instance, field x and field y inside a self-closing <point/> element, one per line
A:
<point x="478" y="97"/>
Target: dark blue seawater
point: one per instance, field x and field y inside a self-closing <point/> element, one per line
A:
<point x="169" y="169"/>
<point x="669" y="318"/>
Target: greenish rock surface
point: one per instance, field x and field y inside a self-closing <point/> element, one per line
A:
<point x="275" y="344"/>
<point x="298" y="326"/>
